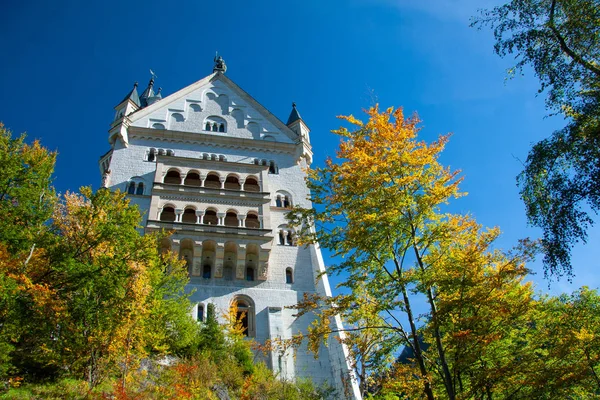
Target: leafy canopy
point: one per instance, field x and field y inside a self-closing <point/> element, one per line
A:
<point x="560" y="184"/>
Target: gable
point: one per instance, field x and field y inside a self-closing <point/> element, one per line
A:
<point x="214" y="106"/>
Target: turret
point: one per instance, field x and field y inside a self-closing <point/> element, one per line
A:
<point x="127" y="106"/>
<point x="297" y="125"/>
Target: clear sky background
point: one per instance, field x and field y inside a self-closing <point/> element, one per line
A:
<point x="66" y="64"/>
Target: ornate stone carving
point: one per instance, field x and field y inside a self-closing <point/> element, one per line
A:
<point x="197" y="268"/>
<point x="264" y="271"/>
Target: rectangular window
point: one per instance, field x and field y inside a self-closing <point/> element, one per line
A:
<point x="200" y="316"/>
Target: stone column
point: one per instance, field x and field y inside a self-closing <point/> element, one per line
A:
<point x="241" y="221"/>
<point x="178" y="214"/>
<point x="241" y="262"/>
<point x="182" y="179"/>
<point x="221" y="217"/>
<point x="202" y="179"/>
<point x="199" y="216"/>
<point x="260" y="222"/>
<point x="219" y="260"/>
<point x="197" y="263"/>
<point x="222" y="180"/>
<point x="242" y="182"/>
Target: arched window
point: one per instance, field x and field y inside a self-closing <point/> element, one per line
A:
<point x="200" y="313"/>
<point x="273" y="167"/>
<point x="290" y="238"/>
<point x="170" y="153"/>
<point x="192" y="179"/>
<point x="208" y="258"/>
<point x="252" y="221"/>
<point x="221" y="127"/>
<point x="278" y="202"/>
<point x="131" y="188"/>
<point x="206" y="271"/>
<point x="231" y="219"/>
<point x="286" y="202"/>
<point x="152" y="155"/>
<point x="173" y="177"/>
<point x="232" y="182"/>
<point x="289" y="276"/>
<point x="251" y="185"/>
<point x="244" y="314"/>
<point x="222" y="158"/>
<point x="167" y="214"/>
<point x="205" y="156"/>
<point x="140" y="188"/>
<point x="228" y="272"/>
<point x="215" y="128"/>
<point x="189" y="216"/>
<point x="207" y="126"/>
<point x="210" y="217"/>
<point x="212" y="181"/>
<point x="249" y="274"/>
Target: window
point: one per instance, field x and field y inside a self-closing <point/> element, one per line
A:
<point x="206" y="271"/>
<point x="249" y="274"/>
<point x="273" y="168"/>
<point x="290" y="239"/>
<point x="173" y="177"/>
<point x="243" y="306"/>
<point x="210" y="217"/>
<point x="278" y="202"/>
<point x="212" y="181"/>
<point x="251" y="185"/>
<point x="281" y="238"/>
<point x="222" y="128"/>
<point x="131" y="188"/>
<point x="152" y="155"/>
<point x="207" y="126"/>
<point x="192" y="179"/>
<point x="289" y="276"/>
<point x="140" y="188"/>
<point x="232" y="182"/>
<point x="167" y="214"/>
<point x="189" y="216"/>
<point x="200" y="313"/>
<point x="252" y="221"/>
<point x="231" y="219"/>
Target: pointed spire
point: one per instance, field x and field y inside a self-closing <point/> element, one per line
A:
<point x="133" y="96"/>
<point x="294" y="115"/>
<point x="147" y="93"/>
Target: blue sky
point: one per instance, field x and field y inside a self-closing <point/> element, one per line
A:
<point x="67" y="63"/>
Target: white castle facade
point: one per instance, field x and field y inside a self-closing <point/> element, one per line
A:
<point x="219" y="170"/>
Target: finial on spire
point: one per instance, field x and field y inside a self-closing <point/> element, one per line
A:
<point x="294" y="115"/>
<point x="220" y="65"/>
<point x="135" y="85"/>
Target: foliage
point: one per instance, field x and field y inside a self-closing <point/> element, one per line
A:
<point x="382" y="211"/>
<point x="560" y="183"/>
<point x="90" y="309"/>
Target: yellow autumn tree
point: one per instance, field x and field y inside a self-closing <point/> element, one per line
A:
<point x="436" y="281"/>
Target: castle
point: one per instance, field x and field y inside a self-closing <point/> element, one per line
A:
<point x="211" y="164"/>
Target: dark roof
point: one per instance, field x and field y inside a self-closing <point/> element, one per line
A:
<point x="147" y="93"/>
<point x="133" y="95"/>
<point x="294" y="115"/>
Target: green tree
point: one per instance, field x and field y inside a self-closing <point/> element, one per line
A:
<point x="382" y="211"/>
<point x="560" y="184"/>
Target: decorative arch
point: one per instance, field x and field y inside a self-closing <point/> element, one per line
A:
<point x="252" y="220"/>
<point x="167" y="213"/>
<point x="232" y="182"/>
<point x="173" y="176"/>
<point x="192" y="178"/>
<point x="212" y="180"/>
<point x="158" y="125"/>
<point x="289" y="275"/>
<point x="283" y="199"/>
<point x="251" y="184"/>
<point x="135" y="185"/>
<point x="195" y="107"/>
<point x="209" y="248"/>
<point x="231" y="218"/>
<point x="286" y="235"/>
<point x="177" y="117"/>
<point x="189" y="215"/>
<point x="210" y="216"/>
<point x="186" y="252"/>
<point x="215" y="123"/>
